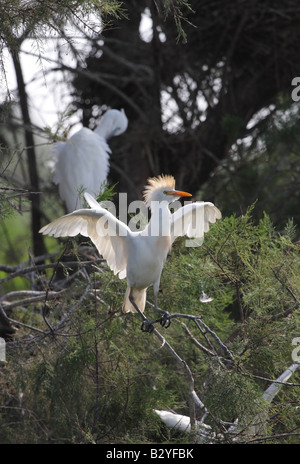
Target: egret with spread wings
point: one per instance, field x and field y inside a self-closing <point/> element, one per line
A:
<point x="139" y="255"/>
<point x="82" y="162"/>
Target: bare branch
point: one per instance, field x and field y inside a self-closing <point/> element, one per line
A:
<point x="18" y="323"/>
<point x="35" y="298"/>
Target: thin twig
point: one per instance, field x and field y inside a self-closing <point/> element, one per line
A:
<point x="37" y="296"/>
<point x="78" y="303"/>
<point x="18" y="323"/>
<point x="197" y="320"/>
<point x="253" y="376"/>
<point x="196" y="342"/>
<point x="194" y="399"/>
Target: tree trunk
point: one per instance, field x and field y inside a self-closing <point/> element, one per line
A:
<point x="37" y="239"/>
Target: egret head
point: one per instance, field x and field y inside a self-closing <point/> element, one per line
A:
<point x="113" y="123"/>
<point x="162" y="188"/>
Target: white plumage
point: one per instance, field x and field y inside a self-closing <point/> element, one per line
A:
<point x="82" y="163"/>
<point x="175" y="421"/>
<point x="180" y="422"/>
<point x="256" y="424"/>
<point x="139" y="256"/>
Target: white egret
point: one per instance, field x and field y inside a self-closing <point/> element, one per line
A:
<point x="256" y="424"/>
<point x="139" y="255"/>
<point x="82" y="163"/>
<point x="175" y="421"/>
<point x="180" y="422"/>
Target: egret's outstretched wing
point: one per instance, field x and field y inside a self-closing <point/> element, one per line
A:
<point x="109" y="235"/>
<point x="82" y="162"/>
<point x="193" y="219"/>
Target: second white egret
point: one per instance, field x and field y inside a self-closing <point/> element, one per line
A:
<point x="82" y="162"/>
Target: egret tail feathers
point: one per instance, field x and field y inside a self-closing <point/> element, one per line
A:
<point x="139" y="297"/>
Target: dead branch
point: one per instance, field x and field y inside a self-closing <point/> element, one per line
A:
<point x="35" y="296"/>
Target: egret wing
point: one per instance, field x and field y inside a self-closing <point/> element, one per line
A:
<point x="109" y="235"/>
<point x="193" y="219"/>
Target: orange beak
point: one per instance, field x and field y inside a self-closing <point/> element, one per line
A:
<point x="179" y="193"/>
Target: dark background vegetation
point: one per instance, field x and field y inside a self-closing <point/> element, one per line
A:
<point x="209" y="99"/>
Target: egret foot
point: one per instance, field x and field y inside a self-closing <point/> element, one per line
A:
<point x="165" y="320"/>
<point x="147" y="326"/>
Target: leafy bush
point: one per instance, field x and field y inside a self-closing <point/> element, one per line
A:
<point x="95" y="377"/>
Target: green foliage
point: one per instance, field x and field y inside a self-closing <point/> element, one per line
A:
<point x="80" y="371"/>
<point x="177" y="10"/>
<point x="230" y="395"/>
<point x="92" y="385"/>
<point x="107" y="193"/>
<point x="20" y="19"/>
<point x="263" y="168"/>
<point x="98" y="378"/>
<point x="231" y="125"/>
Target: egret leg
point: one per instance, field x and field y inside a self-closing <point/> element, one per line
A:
<point x="165" y="320"/>
<point x="146" y="326"/>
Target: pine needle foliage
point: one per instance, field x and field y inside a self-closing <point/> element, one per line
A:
<point x="97" y="377"/>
